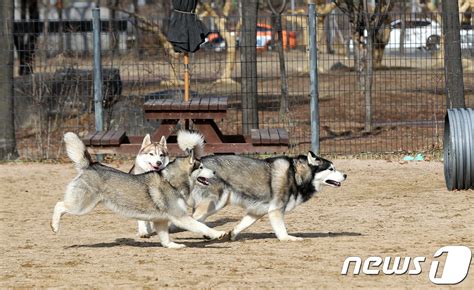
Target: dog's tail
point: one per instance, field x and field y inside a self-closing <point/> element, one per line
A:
<point x="191" y="141"/>
<point x="76" y="151"/>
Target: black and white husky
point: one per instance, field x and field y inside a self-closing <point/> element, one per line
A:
<point x="270" y="186"/>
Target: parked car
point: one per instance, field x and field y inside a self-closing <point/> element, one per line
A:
<point x="422" y="33"/>
<point x="214" y="41"/>
<point x="467" y="37"/>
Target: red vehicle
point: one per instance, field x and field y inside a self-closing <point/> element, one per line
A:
<point x="264" y="39"/>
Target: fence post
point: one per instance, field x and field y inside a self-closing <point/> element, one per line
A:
<point x="313" y="75"/>
<point x="99" y="118"/>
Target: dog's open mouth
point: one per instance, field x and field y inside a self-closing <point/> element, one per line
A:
<point x="333" y="183"/>
<point x="156" y="167"/>
<point x="203" y="180"/>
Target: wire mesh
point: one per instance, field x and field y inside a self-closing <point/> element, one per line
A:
<point x="54" y="89"/>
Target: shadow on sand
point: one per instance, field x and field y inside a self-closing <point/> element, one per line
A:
<point x="263" y="236"/>
<point x="127" y="242"/>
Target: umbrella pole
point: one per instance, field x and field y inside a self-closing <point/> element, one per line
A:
<point x="186" y="84"/>
<point x="186" y="76"/>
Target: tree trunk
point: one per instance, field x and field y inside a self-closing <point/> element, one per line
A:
<point x="138" y="33"/>
<point x="277" y="41"/>
<point x="7" y="125"/>
<point x="114" y="35"/>
<point x="248" y="59"/>
<point x="231" y="39"/>
<point x="368" y="68"/>
<point x="452" y="58"/>
<point x="25" y="42"/>
<point x="368" y="80"/>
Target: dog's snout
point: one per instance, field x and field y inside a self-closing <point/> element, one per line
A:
<point x="158" y="163"/>
<point x="213" y="172"/>
<point x="345" y="176"/>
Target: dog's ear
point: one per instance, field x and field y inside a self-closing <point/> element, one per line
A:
<point x="146" y="141"/>
<point x="163" y="141"/>
<point x="313" y="160"/>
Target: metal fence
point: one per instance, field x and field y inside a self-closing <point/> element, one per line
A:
<point x="53" y="81"/>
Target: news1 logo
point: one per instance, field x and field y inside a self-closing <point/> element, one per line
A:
<point x="456" y="266"/>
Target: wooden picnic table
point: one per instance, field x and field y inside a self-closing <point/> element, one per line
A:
<point x="203" y="113"/>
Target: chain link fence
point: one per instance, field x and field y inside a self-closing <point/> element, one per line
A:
<point x="53" y="80"/>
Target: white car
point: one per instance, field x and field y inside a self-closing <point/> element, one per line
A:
<point x="419" y="33"/>
<point x="467" y="37"/>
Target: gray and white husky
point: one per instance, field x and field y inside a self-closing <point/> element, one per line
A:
<point x="154" y="196"/>
<point x="272" y="186"/>
<point x="152" y="156"/>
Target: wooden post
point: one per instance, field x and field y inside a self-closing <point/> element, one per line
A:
<point x="186" y="77"/>
<point x="186" y="85"/>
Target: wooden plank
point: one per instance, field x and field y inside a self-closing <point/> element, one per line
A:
<point x="96" y="140"/>
<point x="163" y="115"/>
<point x="204" y="105"/>
<point x="117" y="138"/>
<point x="223" y="103"/>
<point x="214" y="104"/>
<point x="105" y="141"/>
<point x="284" y="139"/>
<point x="265" y="136"/>
<point x="209" y="130"/>
<point x="154" y="104"/>
<point x="166" y="106"/>
<point x="158" y="104"/>
<point x="148" y="105"/>
<point x="176" y="105"/>
<point x="194" y="105"/>
<point x="88" y="137"/>
<point x="166" y="128"/>
<point x="184" y="105"/>
<point x="274" y="137"/>
<point x="255" y="135"/>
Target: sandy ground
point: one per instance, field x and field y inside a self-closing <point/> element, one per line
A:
<point x="384" y="209"/>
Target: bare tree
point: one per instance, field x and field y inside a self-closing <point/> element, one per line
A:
<point x="366" y="25"/>
<point x="149" y="26"/>
<point x="452" y="59"/>
<point x="277" y="41"/>
<point x="220" y="17"/>
<point x="7" y="131"/>
<point x="25" y="41"/>
<point x="322" y="10"/>
<point x="248" y="59"/>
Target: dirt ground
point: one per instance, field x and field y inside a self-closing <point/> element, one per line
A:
<point x="383" y="209"/>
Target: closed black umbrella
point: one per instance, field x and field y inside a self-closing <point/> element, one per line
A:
<point x="186" y="32"/>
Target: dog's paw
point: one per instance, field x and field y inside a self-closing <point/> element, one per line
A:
<point x="227" y="236"/>
<point x="54" y="228"/>
<point x="290" y="239"/>
<point x="172" y="245"/>
<point x="219" y="235"/>
<point x="232" y="235"/>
